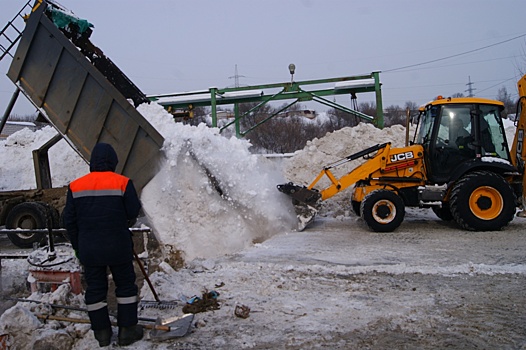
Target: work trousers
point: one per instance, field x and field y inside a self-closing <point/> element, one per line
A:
<point x="125" y="290"/>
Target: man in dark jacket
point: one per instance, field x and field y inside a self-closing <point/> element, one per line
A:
<point x="99" y="209"/>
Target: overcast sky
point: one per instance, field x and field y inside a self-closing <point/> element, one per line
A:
<point x="175" y="46"/>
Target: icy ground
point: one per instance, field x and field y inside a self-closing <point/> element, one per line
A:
<point x="336" y="285"/>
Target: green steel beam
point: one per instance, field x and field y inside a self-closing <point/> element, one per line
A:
<point x="214" y="106"/>
<point x="289" y="90"/>
<point x="237" y="118"/>
<point x="342" y="108"/>
<point x="379" y="122"/>
<point x="266" y="119"/>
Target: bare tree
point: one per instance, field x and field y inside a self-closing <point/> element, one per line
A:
<point x="281" y="134"/>
<point x="394" y="115"/>
<point x="505" y="97"/>
<point x="413" y="109"/>
<point x="368" y="108"/>
<point x="284" y="135"/>
<point x="521" y="66"/>
<point x="340" y="119"/>
<point x="22" y="118"/>
<point x="199" y="116"/>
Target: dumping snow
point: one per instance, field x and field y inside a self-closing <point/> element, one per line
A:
<point x="212" y="196"/>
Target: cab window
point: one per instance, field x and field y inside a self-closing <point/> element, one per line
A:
<point x="492" y="133"/>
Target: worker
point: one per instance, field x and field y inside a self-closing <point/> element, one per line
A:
<point x="459" y="136"/>
<point x="99" y="209"/>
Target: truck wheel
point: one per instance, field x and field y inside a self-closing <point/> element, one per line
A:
<point x="443" y="212"/>
<point x="482" y="201"/>
<point x="383" y="210"/>
<point x="28" y="215"/>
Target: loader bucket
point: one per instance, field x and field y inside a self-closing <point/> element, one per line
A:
<point x="305" y="201"/>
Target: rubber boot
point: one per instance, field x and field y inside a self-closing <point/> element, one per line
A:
<point x="103" y="336"/>
<point x="129" y="335"/>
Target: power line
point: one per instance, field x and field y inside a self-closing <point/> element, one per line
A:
<point x="501" y="82"/>
<point x="456" y="55"/>
<point x="458" y="64"/>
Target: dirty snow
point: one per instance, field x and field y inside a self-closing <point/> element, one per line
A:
<point x="336" y="285"/>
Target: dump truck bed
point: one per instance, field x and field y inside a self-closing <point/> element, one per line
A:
<point x="84" y="98"/>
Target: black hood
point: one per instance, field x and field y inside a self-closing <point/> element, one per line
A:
<point x="103" y="158"/>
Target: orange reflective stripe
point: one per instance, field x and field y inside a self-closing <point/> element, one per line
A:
<point x="107" y="181"/>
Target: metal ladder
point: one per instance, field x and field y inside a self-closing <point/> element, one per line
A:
<point x="11" y="33"/>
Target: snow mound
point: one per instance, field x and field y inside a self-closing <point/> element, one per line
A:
<point x="306" y="164"/>
<point x="211" y="196"/>
<point x="65" y="163"/>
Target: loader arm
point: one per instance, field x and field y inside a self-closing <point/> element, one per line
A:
<point x="307" y="200"/>
<point x="361" y="172"/>
<point x="384" y="167"/>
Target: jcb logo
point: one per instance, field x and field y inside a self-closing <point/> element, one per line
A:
<point x="519" y="143"/>
<point x="402" y="156"/>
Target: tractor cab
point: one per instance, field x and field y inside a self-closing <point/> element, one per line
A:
<point x="456" y="132"/>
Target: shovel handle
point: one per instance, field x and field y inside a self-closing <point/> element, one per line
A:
<point x="156" y="297"/>
<point x="83" y="320"/>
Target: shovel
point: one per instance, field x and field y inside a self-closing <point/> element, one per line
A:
<point x="175" y="327"/>
<point x="179" y="327"/>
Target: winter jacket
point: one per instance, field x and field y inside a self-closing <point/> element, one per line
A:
<point x="98" y="210"/>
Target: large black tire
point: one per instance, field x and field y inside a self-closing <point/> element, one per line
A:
<point x="482" y="201"/>
<point x="443" y="212"/>
<point x="356" y="207"/>
<point x="27" y="215"/>
<point x="382" y="210"/>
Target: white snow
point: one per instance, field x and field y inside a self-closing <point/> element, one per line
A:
<point x="181" y="194"/>
<point x="303" y="288"/>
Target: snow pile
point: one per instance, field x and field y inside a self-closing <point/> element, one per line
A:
<point x="306" y="164"/>
<point x="16" y="153"/>
<point x="212" y="196"/>
<point x="28" y="332"/>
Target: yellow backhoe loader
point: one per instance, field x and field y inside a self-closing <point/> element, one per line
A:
<point x="459" y="164"/>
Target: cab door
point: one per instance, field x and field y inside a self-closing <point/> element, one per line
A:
<point x="453" y="141"/>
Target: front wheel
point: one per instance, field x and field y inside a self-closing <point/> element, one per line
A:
<point x="482" y="201"/>
<point x="382" y="210"/>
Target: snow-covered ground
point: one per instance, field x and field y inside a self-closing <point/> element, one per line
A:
<point x="336" y="285"/>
